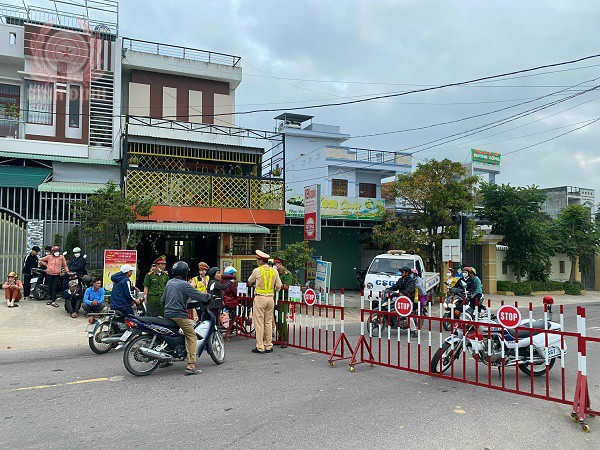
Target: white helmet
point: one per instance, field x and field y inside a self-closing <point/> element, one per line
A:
<point x="230" y="270"/>
<point x="76" y="250"/>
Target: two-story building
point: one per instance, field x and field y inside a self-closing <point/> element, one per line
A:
<point x="82" y="105"/>
<point x="351" y="200"/>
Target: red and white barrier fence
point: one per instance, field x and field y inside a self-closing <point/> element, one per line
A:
<point x="316" y="325"/>
<point x="468" y="349"/>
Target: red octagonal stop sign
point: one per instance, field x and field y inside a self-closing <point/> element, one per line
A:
<point x="310" y="297"/>
<point x="403" y="306"/>
<point x="509" y="316"/>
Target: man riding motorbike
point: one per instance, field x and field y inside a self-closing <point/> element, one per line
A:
<point x="474" y="290"/>
<point x="406" y="286"/>
<point x="177" y="293"/>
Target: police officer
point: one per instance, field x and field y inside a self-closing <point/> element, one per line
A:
<point x="283" y="309"/>
<point x="266" y="280"/>
<point x="154" y="287"/>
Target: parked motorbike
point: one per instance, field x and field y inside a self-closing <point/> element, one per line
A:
<point x="379" y="322"/>
<point x="502" y="345"/>
<point x="360" y="277"/>
<point x="39" y="284"/>
<point x="158" y="340"/>
<point x="106" y="328"/>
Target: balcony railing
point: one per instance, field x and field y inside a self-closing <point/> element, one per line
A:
<point x="206" y="191"/>
<point x="368" y="156"/>
<point x="176" y="51"/>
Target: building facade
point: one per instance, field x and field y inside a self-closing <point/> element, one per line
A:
<point x="351" y="200"/>
<point x="83" y="105"/>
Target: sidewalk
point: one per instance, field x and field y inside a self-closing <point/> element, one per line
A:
<point x="35" y="325"/>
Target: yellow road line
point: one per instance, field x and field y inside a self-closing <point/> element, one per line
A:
<point x="44" y="386"/>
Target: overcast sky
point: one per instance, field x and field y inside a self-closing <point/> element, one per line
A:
<point x="308" y="52"/>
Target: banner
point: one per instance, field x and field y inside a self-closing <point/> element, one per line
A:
<point x="323" y="276"/>
<point x="113" y="260"/>
<point x="483" y="157"/>
<point x="312" y="213"/>
<point x="332" y="207"/>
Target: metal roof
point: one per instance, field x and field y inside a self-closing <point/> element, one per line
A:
<point x="198" y="227"/>
<point x="69" y="187"/>
<point x="293" y="117"/>
<point x="67" y="159"/>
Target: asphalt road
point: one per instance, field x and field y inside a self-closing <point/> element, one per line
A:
<point x="72" y="398"/>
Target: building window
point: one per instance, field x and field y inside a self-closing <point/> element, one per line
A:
<point x="74" y="105"/>
<point x="12" y="38"/>
<point x="561" y="266"/>
<point x="339" y="188"/>
<point x="504" y="268"/>
<point x="368" y="190"/>
<point x="9" y="109"/>
<point x="39" y="102"/>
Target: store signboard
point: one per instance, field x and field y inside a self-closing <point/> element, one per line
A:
<point x="312" y="213"/>
<point x="323" y="276"/>
<point x="334" y="207"/>
<point x="113" y="260"/>
<point x="483" y="157"/>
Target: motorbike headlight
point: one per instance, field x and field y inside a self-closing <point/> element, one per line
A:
<point x="369" y="285"/>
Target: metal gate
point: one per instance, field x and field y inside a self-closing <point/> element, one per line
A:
<point x="13" y="242"/>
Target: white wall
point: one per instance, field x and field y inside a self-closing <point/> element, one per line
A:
<point x="6" y="48"/>
<point x="223" y="104"/>
<point x="169" y="102"/>
<point x="139" y="99"/>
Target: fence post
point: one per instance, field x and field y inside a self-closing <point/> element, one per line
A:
<point x="581" y="402"/>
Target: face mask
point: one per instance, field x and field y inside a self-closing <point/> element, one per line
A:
<point x="465" y="275"/>
<point x="77" y="255"/>
<point x="448" y="274"/>
<point x="46" y="253"/>
<point x="56" y="253"/>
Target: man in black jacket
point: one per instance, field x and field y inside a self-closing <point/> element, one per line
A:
<point x="405" y="284"/>
<point x="31" y="261"/>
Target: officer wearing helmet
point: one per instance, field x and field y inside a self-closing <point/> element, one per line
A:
<point x="175" y="298"/>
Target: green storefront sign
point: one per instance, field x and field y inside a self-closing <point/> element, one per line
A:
<point x="483" y="157"/>
<point x="353" y="208"/>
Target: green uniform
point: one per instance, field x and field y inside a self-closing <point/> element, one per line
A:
<point x="156" y="286"/>
<point x="283" y="309"/>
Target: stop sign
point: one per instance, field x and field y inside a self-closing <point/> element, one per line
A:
<point x="403" y="306"/>
<point x="509" y="316"/>
<point x="310" y="297"/>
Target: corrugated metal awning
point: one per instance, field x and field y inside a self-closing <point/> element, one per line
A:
<point x="23" y="177"/>
<point x="69" y="187"/>
<point x="199" y="227"/>
<point x="67" y="159"/>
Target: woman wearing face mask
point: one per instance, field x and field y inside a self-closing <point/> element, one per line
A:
<point x="54" y="264"/>
<point x="215" y="287"/>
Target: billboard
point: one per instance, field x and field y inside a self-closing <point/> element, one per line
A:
<point x="312" y="213"/>
<point x="483" y="157"/>
<point x="333" y="207"/>
<point x="113" y="260"/>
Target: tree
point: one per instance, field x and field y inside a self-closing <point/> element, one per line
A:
<point x="105" y="215"/>
<point x="73" y="239"/>
<point x="435" y="191"/>
<point x="516" y="214"/>
<point x="577" y="236"/>
<point x="296" y="256"/>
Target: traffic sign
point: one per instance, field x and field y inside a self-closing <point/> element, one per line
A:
<point x="310" y="297"/>
<point x="403" y="306"/>
<point x="509" y="316"/>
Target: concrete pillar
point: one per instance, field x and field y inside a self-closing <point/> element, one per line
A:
<point x="597" y="272"/>
<point x="577" y="271"/>
<point x="488" y="264"/>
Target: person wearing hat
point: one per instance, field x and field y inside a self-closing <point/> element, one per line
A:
<point x="154" y="287"/>
<point x="93" y="299"/>
<point x="266" y="281"/>
<point x="201" y="281"/>
<point x="31" y="261"/>
<point x="283" y="309"/>
<point x="12" y="289"/>
<point x="73" y="296"/>
<point x="121" y="297"/>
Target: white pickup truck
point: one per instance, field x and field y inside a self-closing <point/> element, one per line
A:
<point x="384" y="271"/>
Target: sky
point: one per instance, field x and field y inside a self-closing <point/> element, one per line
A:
<point x="310" y="52"/>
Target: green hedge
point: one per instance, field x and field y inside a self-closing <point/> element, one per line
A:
<point x="527" y="287"/>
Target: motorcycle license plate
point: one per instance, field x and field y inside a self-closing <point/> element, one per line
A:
<point x="90" y="328"/>
<point x="553" y="352"/>
<point x="125" y="336"/>
<point x="33" y="280"/>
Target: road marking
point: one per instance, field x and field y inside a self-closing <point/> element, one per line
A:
<point x="29" y="388"/>
<point x="309" y="353"/>
<point x="459" y="411"/>
<point x="44" y="386"/>
<point x="91" y="380"/>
